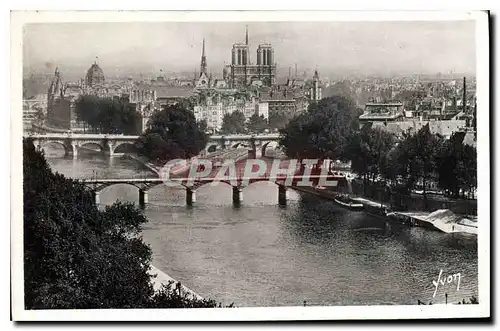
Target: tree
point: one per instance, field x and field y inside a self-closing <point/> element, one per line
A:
<point x="277" y="120"/>
<point x="233" y="123"/>
<point x="257" y="123"/>
<point x="322" y="132"/>
<point x="368" y="151"/>
<point x="173" y="133"/>
<point x="417" y="158"/>
<point x="203" y="125"/>
<point x="107" y="115"/>
<point x="457" y="166"/>
<point x="79" y="257"/>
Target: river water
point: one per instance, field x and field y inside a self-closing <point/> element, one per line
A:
<point x="261" y="254"/>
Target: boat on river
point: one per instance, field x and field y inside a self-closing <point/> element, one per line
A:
<point x="346" y="201"/>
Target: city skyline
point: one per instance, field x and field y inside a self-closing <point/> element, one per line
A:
<point x="369" y="48"/>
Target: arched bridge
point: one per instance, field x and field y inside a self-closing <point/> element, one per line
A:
<point x="283" y="173"/>
<point x="283" y="182"/>
<point x="110" y="144"/>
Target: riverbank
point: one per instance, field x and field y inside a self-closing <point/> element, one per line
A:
<point x="442" y="220"/>
<point x="145" y="162"/>
<point x="162" y="278"/>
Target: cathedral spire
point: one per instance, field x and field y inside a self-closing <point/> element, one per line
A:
<point x="316" y="75"/>
<point x="246" y="35"/>
<point x="203" y="65"/>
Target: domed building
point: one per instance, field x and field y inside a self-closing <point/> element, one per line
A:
<point x="95" y="75"/>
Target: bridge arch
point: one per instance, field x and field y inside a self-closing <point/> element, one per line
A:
<point x="140" y="186"/>
<point x="268" y="144"/>
<point x="240" y="144"/>
<point x="211" y="148"/>
<point x="45" y="143"/>
<point x="91" y="143"/>
<point x="103" y="186"/>
<point x="124" y="147"/>
<point x="209" y="183"/>
<point x="260" y="180"/>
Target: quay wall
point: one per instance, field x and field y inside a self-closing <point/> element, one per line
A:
<point x="163" y="278"/>
<point x="414" y="202"/>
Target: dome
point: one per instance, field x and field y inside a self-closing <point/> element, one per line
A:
<point x="95" y="75"/>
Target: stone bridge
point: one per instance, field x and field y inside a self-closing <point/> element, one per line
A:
<point x="191" y="185"/>
<point x="111" y="144"/>
<point x="290" y="174"/>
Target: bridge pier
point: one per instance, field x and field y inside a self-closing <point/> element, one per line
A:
<point x="108" y="149"/>
<point x="143" y="198"/>
<point x="252" y="154"/>
<point x="74" y="151"/>
<point x="282" y="195"/>
<point x="190" y="196"/>
<point x="97" y="198"/>
<point x="237" y="195"/>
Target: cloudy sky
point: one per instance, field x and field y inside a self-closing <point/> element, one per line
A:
<point x="367" y="47"/>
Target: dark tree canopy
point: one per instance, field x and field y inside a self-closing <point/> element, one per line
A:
<point x="323" y="131"/>
<point x="79" y="257"/>
<point x="368" y="151"/>
<point x="277" y="120"/>
<point x="257" y="124"/>
<point x="203" y="125"/>
<point x="108" y="115"/>
<point x="173" y="133"/>
<point x="233" y="123"/>
<point x="457" y="166"/>
<point x="416" y="157"/>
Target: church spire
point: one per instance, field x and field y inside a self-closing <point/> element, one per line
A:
<point x="246" y="35"/>
<point x="316" y="75"/>
<point x="203" y="65"/>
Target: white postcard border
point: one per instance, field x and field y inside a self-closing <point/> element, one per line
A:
<point x="275" y="313"/>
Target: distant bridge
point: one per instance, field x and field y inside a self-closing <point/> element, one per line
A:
<point x="110" y="144"/>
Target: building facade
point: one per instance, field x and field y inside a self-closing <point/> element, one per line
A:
<point x="242" y="72"/>
<point x="95" y="75"/>
<point x="212" y="107"/>
<point x="382" y="112"/>
<point x="315" y="91"/>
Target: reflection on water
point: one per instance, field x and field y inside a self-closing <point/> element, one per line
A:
<point x="264" y="255"/>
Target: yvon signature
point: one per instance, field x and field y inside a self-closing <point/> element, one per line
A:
<point x="455" y="278"/>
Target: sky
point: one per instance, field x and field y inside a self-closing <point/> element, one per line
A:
<point x="362" y="47"/>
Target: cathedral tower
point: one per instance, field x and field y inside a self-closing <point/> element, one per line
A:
<point x="203" y="65"/>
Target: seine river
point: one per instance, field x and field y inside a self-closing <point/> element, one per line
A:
<point x="262" y="255"/>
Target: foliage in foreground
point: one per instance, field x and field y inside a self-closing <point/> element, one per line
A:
<point x="79" y="257"/>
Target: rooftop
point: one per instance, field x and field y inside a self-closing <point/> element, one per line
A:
<point x="169" y="91"/>
<point x="384" y="104"/>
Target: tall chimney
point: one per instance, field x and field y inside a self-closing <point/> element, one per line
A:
<point x="464" y="100"/>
